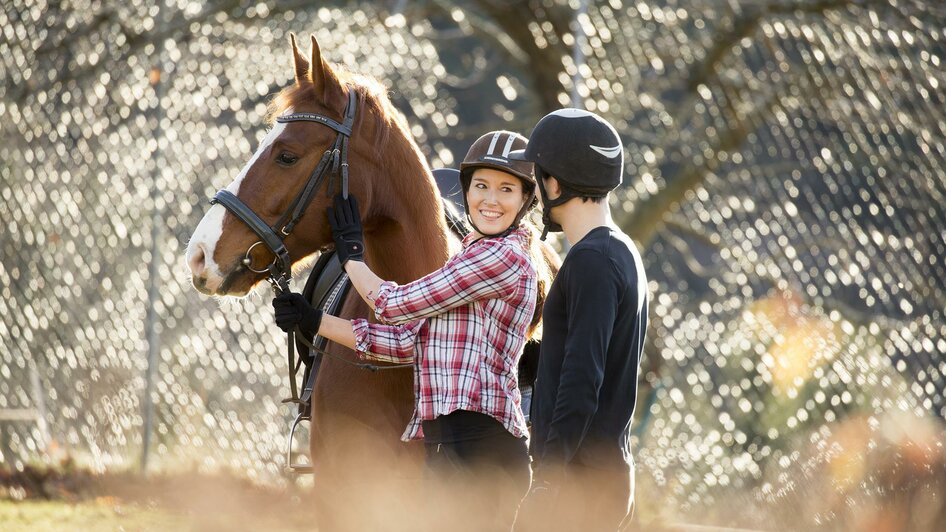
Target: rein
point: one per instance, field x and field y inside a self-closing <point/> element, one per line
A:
<point x="334" y="162"/>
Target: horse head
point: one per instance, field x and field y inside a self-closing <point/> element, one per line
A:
<point x="329" y="131"/>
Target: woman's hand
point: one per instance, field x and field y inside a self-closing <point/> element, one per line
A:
<point x="349" y="240"/>
<point x="346" y="229"/>
<point x="293" y="310"/>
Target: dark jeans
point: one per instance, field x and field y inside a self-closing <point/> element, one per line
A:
<point x="477" y="471"/>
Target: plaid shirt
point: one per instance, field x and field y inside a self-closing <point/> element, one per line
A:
<point x="464" y="327"/>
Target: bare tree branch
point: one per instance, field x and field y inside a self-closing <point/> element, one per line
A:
<point x="177" y="26"/>
<point x="507" y="25"/>
<point x="643" y="222"/>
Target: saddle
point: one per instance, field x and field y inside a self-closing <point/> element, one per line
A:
<point x="328" y="285"/>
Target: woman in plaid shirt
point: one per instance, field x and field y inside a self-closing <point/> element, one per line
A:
<point x="464" y="327"/>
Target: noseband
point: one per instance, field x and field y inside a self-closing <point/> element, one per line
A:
<point x="334" y="162"/>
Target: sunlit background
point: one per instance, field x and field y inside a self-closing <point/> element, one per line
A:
<point x="785" y="164"/>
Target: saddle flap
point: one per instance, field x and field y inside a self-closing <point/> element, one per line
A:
<point x="448" y="183"/>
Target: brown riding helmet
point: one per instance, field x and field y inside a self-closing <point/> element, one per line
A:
<point x="492" y="151"/>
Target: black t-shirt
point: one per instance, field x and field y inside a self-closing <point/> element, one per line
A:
<point x="595" y="318"/>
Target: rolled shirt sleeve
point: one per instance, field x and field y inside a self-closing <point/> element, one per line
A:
<point x="386" y="343"/>
<point x="486" y="269"/>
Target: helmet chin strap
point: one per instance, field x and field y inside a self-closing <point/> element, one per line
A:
<point x="549" y="204"/>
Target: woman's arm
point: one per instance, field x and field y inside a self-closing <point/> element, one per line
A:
<point x="337" y="330"/>
<point x="485" y="271"/>
<point x="364" y="280"/>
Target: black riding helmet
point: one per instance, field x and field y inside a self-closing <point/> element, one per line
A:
<point x="579" y="149"/>
<point x="492" y="151"/>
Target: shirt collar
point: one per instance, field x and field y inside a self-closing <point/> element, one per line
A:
<point x="471" y="238"/>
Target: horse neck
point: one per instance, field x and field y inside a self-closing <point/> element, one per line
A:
<point x="408" y="239"/>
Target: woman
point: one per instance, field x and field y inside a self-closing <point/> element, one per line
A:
<point x="464" y="327"/>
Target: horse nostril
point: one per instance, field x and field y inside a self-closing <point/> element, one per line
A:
<point x="198" y="261"/>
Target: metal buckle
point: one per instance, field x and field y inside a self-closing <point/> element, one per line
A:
<point x="280" y="284"/>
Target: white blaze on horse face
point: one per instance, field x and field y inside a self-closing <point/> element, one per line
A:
<point x="210" y="229"/>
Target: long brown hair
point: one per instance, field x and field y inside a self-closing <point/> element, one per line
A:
<point x="547" y="263"/>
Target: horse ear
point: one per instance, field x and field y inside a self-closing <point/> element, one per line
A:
<point x="300" y="63"/>
<point x="318" y="67"/>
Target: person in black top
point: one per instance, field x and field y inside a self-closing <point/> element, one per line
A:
<point x="595" y="321"/>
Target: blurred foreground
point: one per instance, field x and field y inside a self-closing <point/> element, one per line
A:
<point x="878" y="474"/>
<point x="71" y="499"/>
<point x="785" y="181"/>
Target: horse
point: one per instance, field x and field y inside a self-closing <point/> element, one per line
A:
<point x="365" y="476"/>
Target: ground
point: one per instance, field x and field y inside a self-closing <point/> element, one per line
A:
<point x="105" y="513"/>
<point x="39" y="500"/>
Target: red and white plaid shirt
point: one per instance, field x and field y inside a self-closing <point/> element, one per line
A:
<point x="464" y="327"/>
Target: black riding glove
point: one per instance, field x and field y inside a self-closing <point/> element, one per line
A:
<point x="346" y="229"/>
<point x="292" y="309"/>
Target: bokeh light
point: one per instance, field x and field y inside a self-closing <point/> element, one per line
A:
<point x="785" y="167"/>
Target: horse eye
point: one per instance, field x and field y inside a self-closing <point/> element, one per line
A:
<point x="286" y="158"/>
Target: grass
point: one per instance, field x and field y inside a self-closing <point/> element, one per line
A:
<point x="66" y="498"/>
<point x="100" y="514"/>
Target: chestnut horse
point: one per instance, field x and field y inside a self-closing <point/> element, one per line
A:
<point x="366" y="477"/>
<point x="362" y="468"/>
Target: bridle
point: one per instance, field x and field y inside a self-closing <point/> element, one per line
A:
<point x="334" y="163"/>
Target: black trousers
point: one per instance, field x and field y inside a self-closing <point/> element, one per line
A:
<point x="477" y="472"/>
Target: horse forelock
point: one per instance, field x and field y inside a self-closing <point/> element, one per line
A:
<point x="371" y="95"/>
<point x="374" y="106"/>
<point x="375" y="110"/>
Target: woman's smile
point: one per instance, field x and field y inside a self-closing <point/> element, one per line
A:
<point x="491" y="214"/>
